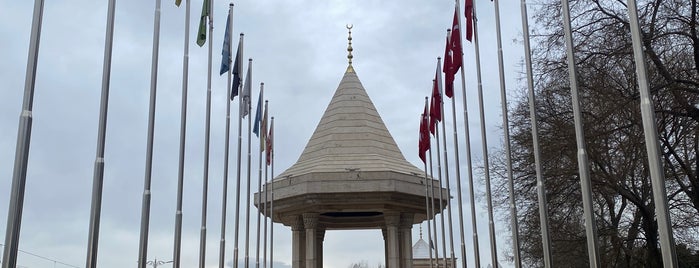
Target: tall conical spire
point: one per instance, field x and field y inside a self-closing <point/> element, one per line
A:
<point x="349" y="49"/>
<point x="351" y="136"/>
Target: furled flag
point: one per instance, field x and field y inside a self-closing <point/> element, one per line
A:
<point x="469" y="19"/>
<point x="435" y="105"/>
<point x="270" y="139"/>
<point x="205" y="12"/>
<point x="226" y="51"/>
<point x="178" y="2"/>
<point x="245" y="96"/>
<point x="448" y="62"/>
<point x="258" y="115"/>
<point x="263" y="132"/>
<point x="424" y="141"/>
<point x="237" y="66"/>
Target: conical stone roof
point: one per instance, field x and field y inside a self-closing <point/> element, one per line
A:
<point x="351" y="137"/>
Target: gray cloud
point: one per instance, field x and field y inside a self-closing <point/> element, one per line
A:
<point x="299" y="51"/>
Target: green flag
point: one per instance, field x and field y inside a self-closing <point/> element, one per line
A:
<point x="201" y="35"/>
<point x="178" y="2"/>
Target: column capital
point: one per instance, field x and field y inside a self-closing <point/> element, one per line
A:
<point x="310" y="220"/>
<point x="392" y="218"/>
<point x="296" y="223"/>
<point x="406" y="220"/>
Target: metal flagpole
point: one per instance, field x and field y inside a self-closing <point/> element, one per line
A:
<point x="247" y="208"/>
<point x="271" y="202"/>
<point x="224" y="194"/>
<point x="430" y="185"/>
<point x="439" y="164"/>
<point x="530" y="85"/>
<point x="469" y="161"/>
<point x="264" y="255"/>
<point x="145" y="209"/>
<point x="183" y="130"/>
<point x="207" y="136"/>
<point x="484" y="140"/>
<point x="263" y="129"/>
<point x="423" y="121"/>
<point x="264" y="239"/>
<point x="237" y="187"/>
<point x="650" y="131"/>
<point x="541" y="188"/>
<point x="434" y="214"/>
<point x="440" y="85"/>
<point x="441" y="195"/>
<point x="98" y="175"/>
<point x="24" y="133"/>
<point x="583" y="165"/>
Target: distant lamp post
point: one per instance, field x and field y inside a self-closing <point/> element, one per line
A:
<point x="156" y="262"/>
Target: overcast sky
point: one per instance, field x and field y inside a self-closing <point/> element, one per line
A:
<point x="299" y="52"/>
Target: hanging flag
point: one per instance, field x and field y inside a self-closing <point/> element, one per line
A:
<point x="258" y="115"/>
<point x="455" y="44"/>
<point x="237" y="65"/>
<point x="245" y="96"/>
<point x="469" y="19"/>
<point x="226" y="51"/>
<point x="424" y="141"/>
<point x="448" y="62"/>
<point x="263" y="132"/>
<point x="435" y="105"/>
<point x="178" y="2"/>
<point x="269" y="142"/>
<point x="205" y="12"/>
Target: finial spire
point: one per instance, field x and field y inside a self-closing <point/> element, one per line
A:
<point x="349" y="48"/>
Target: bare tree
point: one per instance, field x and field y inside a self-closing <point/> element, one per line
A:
<point x="624" y="209"/>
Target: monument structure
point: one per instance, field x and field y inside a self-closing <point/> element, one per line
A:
<point x="351" y="175"/>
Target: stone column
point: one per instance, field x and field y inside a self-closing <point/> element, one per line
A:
<point x="320" y="236"/>
<point x="310" y="222"/>
<point x="298" y="247"/>
<point x="385" y="245"/>
<point x="392" y="221"/>
<point x="406" y="247"/>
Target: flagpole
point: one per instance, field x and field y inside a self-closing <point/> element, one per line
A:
<point x="439" y="176"/>
<point x="421" y="151"/>
<point x="247" y="208"/>
<point x="469" y="162"/>
<point x="440" y="87"/>
<point x="271" y="202"/>
<point x="532" y="110"/>
<point x="98" y="175"/>
<point x="237" y="191"/>
<point x="430" y="193"/>
<point x="224" y="194"/>
<point x="427" y="186"/>
<point x="145" y="209"/>
<point x="259" y="181"/>
<point x="430" y="197"/>
<point x="583" y="165"/>
<point x="434" y="213"/>
<point x="264" y="246"/>
<point x="484" y="140"/>
<point x="650" y="131"/>
<point x="24" y="133"/>
<point x="183" y="130"/>
<point x="207" y="137"/>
